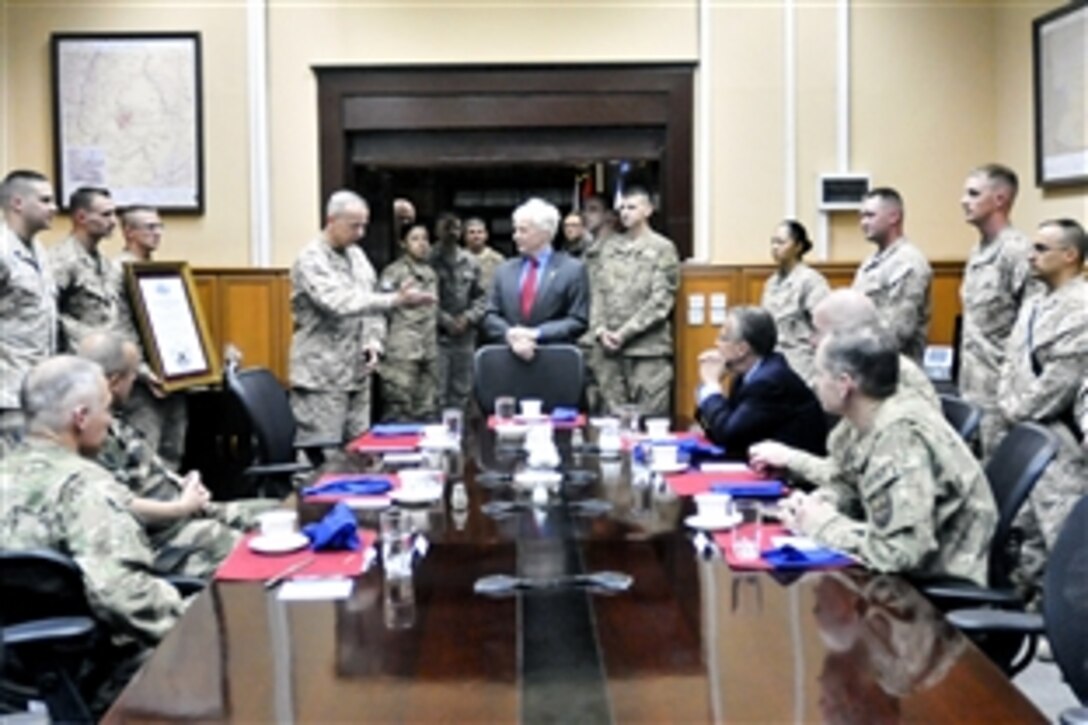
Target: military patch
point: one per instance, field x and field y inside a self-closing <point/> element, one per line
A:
<point x="880" y="509"/>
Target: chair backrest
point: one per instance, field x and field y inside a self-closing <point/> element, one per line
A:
<point x="964" y="417"/>
<point x="1013" y="469"/>
<point x="555" y="375"/>
<point x="39" y="584"/>
<point x="267" y="407"/>
<point x="1065" y="599"/>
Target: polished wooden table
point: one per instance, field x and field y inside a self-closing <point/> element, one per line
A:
<point x="691" y="641"/>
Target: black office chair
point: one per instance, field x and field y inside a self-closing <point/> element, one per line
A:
<point x="555" y="375"/>
<point x="48" y="634"/>
<point x="964" y="417"/>
<point x="1064" y="618"/>
<point x="268" y="411"/>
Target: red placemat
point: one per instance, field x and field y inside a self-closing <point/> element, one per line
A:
<point x="693" y="482"/>
<point x="243" y="564"/>
<point x="724" y="540"/>
<point x="370" y="443"/>
<point x="393" y="479"/>
<point x="578" y="422"/>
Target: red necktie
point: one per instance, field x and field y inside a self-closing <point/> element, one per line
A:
<point x="528" y="289"/>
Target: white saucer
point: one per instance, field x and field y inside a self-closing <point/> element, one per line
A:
<point x="670" y="468"/>
<point x="438" y="444"/>
<point x="511" y="430"/>
<point x="708" y="523"/>
<point x="416" y="495"/>
<point x="279" y="544"/>
<point x="538" y="478"/>
<point x="367" y="503"/>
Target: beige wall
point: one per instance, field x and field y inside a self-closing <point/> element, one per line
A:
<point x="931" y="97"/>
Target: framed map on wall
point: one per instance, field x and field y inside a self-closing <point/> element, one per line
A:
<point x="1060" y="54"/>
<point x="127" y="117"/>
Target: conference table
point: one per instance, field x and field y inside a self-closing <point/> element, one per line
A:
<point x="691" y="640"/>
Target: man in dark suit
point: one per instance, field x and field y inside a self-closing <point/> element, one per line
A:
<point x="766" y="399"/>
<point x="541" y="296"/>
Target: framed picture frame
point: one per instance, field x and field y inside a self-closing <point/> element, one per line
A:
<point x="127" y="116"/>
<point x="171" y="324"/>
<point x="1060" y="67"/>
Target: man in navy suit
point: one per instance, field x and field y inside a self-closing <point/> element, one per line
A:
<point x="767" y="400"/>
<point x="542" y="296"/>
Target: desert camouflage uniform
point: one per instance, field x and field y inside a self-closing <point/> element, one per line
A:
<point x="897" y="280"/>
<point x="634" y="296"/>
<point x="87" y="285"/>
<point x="1081" y="411"/>
<point x="489" y="260"/>
<point x="408" y="373"/>
<point x="336" y="313"/>
<point x="843" y="439"/>
<point x="1045" y="366"/>
<point x="919" y="503"/>
<point x="163" y="421"/>
<point x="28" y="333"/>
<point x="51" y="498"/>
<point x="460" y="292"/>
<point x="996" y="280"/>
<point x="591" y="351"/>
<point x="790" y="300"/>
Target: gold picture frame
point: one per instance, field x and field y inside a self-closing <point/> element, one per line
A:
<point x="171" y="324"/>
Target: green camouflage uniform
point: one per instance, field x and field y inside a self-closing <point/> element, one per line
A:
<point x="409" y="370"/>
<point x="489" y="260"/>
<point x="51" y="498"/>
<point x="634" y="295"/>
<point x="1045" y="366"/>
<point x="897" y="280"/>
<point x="918" y="504"/>
<point x="460" y="292"/>
<point x="87" y="286"/>
<point x="791" y="300"/>
<point x="591" y="351"/>
<point x="996" y="280"/>
<point x="28" y="333"/>
<point x="336" y="313"/>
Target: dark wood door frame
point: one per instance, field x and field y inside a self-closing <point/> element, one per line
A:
<point x="353" y="101"/>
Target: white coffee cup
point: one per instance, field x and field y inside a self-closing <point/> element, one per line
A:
<point x="277" y="524"/>
<point x="532" y="408"/>
<point x="716" y="506"/>
<point x="665" y="456"/>
<point x="435" y="433"/>
<point x="657" y="428"/>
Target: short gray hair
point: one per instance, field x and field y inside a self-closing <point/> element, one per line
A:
<point x="755" y="326"/>
<point x="846" y="308"/>
<point x="539" y="213"/>
<point x="56" y="387"/>
<point x="340" y="200"/>
<point x="107" y="349"/>
<point x="867" y="354"/>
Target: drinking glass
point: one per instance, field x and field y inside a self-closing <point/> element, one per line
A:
<point x="506" y="408"/>
<point x="395" y="530"/>
<point x="747" y="541"/>
<point x="629" y="419"/>
<point x="454" y="420"/>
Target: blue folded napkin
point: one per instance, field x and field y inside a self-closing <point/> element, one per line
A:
<point x="790" y="557"/>
<point x="564" y="415"/>
<point x="744" y="489"/>
<point x="362" y="486"/>
<point x="336" y="532"/>
<point x="697" y="450"/>
<point x="396" y="429"/>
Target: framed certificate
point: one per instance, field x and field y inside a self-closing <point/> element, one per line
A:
<point x="171" y="324"/>
<point x="1060" y="54"/>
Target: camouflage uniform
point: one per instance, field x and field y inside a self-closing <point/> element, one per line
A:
<point x="51" y="498"/>
<point x="897" y="280"/>
<point x="919" y="502"/>
<point x="635" y="291"/>
<point x="790" y="300"/>
<point x="28" y="333"/>
<point x="489" y="260"/>
<point x="336" y="313"/>
<point x="459" y="293"/>
<point x="408" y="374"/>
<point x="163" y="421"/>
<point x="87" y="287"/>
<point x="1045" y="366"/>
<point x="996" y="281"/>
<point x="591" y="351"/>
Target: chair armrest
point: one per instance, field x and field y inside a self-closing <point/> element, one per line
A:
<point x="971" y="594"/>
<point x="186" y="585"/>
<point x="55" y="630"/>
<point x="996" y="620"/>
<point x="275" y="469"/>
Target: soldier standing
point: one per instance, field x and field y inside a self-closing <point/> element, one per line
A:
<point x="338" y="324"/>
<point x="631" y="312"/>
<point x="409" y="370"/>
<point x="1046" y="364"/>
<point x="27" y="292"/>
<point x="486" y="256"/>
<point x="598" y="221"/>
<point x="996" y="280"/>
<point x="462" y="302"/>
<point x="897" y="276"/>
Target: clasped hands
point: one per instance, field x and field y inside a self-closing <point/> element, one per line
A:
<point x="522" y="341"/>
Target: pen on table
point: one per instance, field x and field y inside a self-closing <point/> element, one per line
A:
<point x="294" y="568"/>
